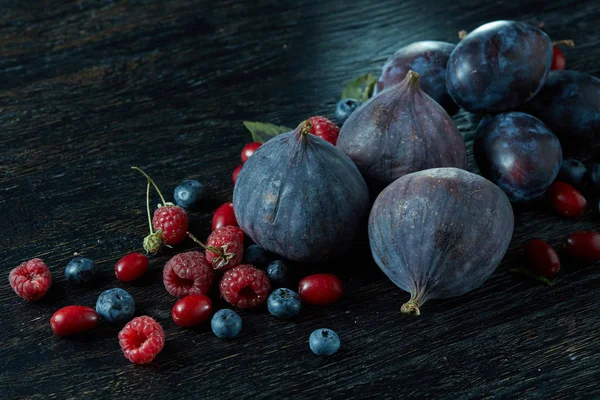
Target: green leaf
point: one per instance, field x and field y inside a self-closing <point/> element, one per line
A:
<point x="263" y="131"/>
<point x="528" y="273"/>
<point x="360" y="88"/>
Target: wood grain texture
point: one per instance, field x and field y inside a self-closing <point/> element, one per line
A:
<point x="89" y="88"/>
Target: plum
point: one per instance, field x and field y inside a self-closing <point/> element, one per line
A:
<point x="428" y="59"/>
<point x="401" y="130"/>
<point x="569" y="103"/>
<point x="498" y="66"/>
<point x="517" y="152"/>
<point x="439" y="233"/>
<point x="300" y="197"/>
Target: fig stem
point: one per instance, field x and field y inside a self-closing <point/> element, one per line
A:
<point x="411" y="307"/>
<point x="305" y="127"/>
<point x="153" y="184"/>
<point x="412" y="79"/>
<point x="462" y="34"/>
<point x="566" y="42"/>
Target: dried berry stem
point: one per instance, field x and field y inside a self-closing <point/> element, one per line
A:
<point x="153" y="184"/>
<point x="215" y="250"/>
<point x="148" y="208"/>
<point x="566" y="42"/>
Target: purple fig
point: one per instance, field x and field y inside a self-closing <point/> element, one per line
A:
<point x="300" y="197"/>
<point x="399" y="131"/>
<point x="439" y="233"/>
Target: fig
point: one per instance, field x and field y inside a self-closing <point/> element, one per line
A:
<point x="428" y="59"/>
<point x="439" y="233"/>
<point x="300" y="197"/>
<point x="569" y="103"/>
<point x="498" y="66"/>
<point x="399" y="131"/>
<point x="518" y="153"/>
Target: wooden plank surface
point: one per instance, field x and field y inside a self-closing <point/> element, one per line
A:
<point x="89" y="88"/>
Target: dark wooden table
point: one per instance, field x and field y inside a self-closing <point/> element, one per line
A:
<point x="89" y="88"/>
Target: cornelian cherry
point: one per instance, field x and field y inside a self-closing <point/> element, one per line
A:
<point x="224" y="216"/>
<point x="559" y="62"/>
<point x="320" y="289"/>
<point x="584" y="245"/>
<point x="72" y="320"/>
<point x="567" y="200"/>
<point x="235" y="173"/>
<point x="542" y="258"/>
<point x="131" y="267"/>
<point x="248" y="150"/>
<point x="192" y="310"/>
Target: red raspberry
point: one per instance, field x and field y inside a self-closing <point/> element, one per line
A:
<point x="188" y="273"/>
<point x="225" y="247"/>
<point x="31" y="280"/>
<point x="325" y="129"/>
<point x="245" y="286"/>
<point x="142" y="339"/>
<point x="173" y="221"/>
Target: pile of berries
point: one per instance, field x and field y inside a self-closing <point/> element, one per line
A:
<point x="245" y="280"/>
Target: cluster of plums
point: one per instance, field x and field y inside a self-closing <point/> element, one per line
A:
<point x="435" y="229"/>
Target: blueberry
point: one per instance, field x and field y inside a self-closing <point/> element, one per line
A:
<point x="257" y="256"/>
<point x="80" y="270"/>
<point x="188" y="193"/>
<point x="324" y="342"/>
<point x="284" y="303"/>
<point x="277" y="273"/>
<point x="115" y="305"/>
<point x="226" y="323"/>
<point x="572" y="172"/>
<point x="344" y="108"/>
<point x="593" y="178"/>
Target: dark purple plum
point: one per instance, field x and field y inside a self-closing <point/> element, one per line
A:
<point x="498" y="66"/>
<point x="428" y="59"/>
<point x="439" y="233"/>
<point x="569" y="103"/>
<point x="399" y="131"/>
<point x="300" y="197"/>
<point x="518" y="153"/>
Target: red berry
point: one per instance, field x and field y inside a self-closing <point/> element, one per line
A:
<point x="72" y="320"/>
<point x="131" y="267"/>
<point x="188" y="273"/>
<point x="142" y="339"/>
<point x="224" y="216"/>
<point x="173" y="221"/>
<point x="225" y="247"/>
<point x="245" y="286"/>
<point x="559" y="62"/>
<point x="235" y="173"/>
<point x="249" y="149"/>
<point x="542" y="258"/>
<point x="320" y="289"/>
<point x="584" y="245"/>
<point x="192" y="310"/>
<point x="567" y="200"/>
<point x="31" y="279"/>
<point x="325" y="129"/>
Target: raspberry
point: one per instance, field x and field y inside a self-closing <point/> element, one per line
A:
<point x="245" y="286"/>
<point x="172" y="220"/>
<point x="142" y="339"/>
<point x="225" y="247"/>
<point x="188" y="273"/>
<point x="325" y="129"/>
<point x="31" y="280"/>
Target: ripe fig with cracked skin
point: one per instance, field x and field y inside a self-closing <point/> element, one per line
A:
<point x="498" y="66"/>
<point x="399" y="131"/>
<point x="427" y="58"/>
<point x="300" y="197"/>
<point x="439" y="233"/>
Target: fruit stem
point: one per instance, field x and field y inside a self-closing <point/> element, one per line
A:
<point x="566" y="42"/>
<point x="411" y="307"/>
<point x="462" y="34"/>
<point x="305" y="127"/>
<point x="153" y="184"/>
<point x="215" y="250"/>
<point x="412" y="79"/>
<point x="148" y="208"/>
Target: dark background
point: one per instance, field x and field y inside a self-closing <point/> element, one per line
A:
<point x="89" y="88"/>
